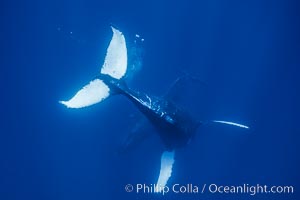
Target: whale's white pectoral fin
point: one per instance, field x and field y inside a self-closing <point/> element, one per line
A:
<point x="92" y="93"/>
<point x="231" y="123"/>
<point x="167" y="161"/>
<point x="115" y="63"/>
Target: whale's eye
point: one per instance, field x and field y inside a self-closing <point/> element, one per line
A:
<point x="169" y="119"/>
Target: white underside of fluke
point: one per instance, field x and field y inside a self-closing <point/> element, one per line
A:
<point x="167" y="161"/>
<point x="115" y="65"/>
<point x="90" y="94"/>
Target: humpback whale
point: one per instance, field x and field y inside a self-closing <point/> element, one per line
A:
<point x="174" y="125"/>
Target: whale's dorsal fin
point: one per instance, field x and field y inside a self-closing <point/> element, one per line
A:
<point x="167" y="161"/>
<point x="184" y="89"/>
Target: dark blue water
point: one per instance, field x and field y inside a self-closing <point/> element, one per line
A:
<point x="247" y="53"/>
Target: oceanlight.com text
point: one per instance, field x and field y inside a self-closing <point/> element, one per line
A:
<point x="249" y="189"/>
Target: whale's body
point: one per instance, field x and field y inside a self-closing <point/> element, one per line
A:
<point x="174" y="125"/>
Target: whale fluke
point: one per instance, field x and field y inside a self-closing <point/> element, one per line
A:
<point x="115" y="65"/>
<point x="92" y="93"/>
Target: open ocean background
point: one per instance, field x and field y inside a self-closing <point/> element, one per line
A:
<point x="246" y="52"/>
